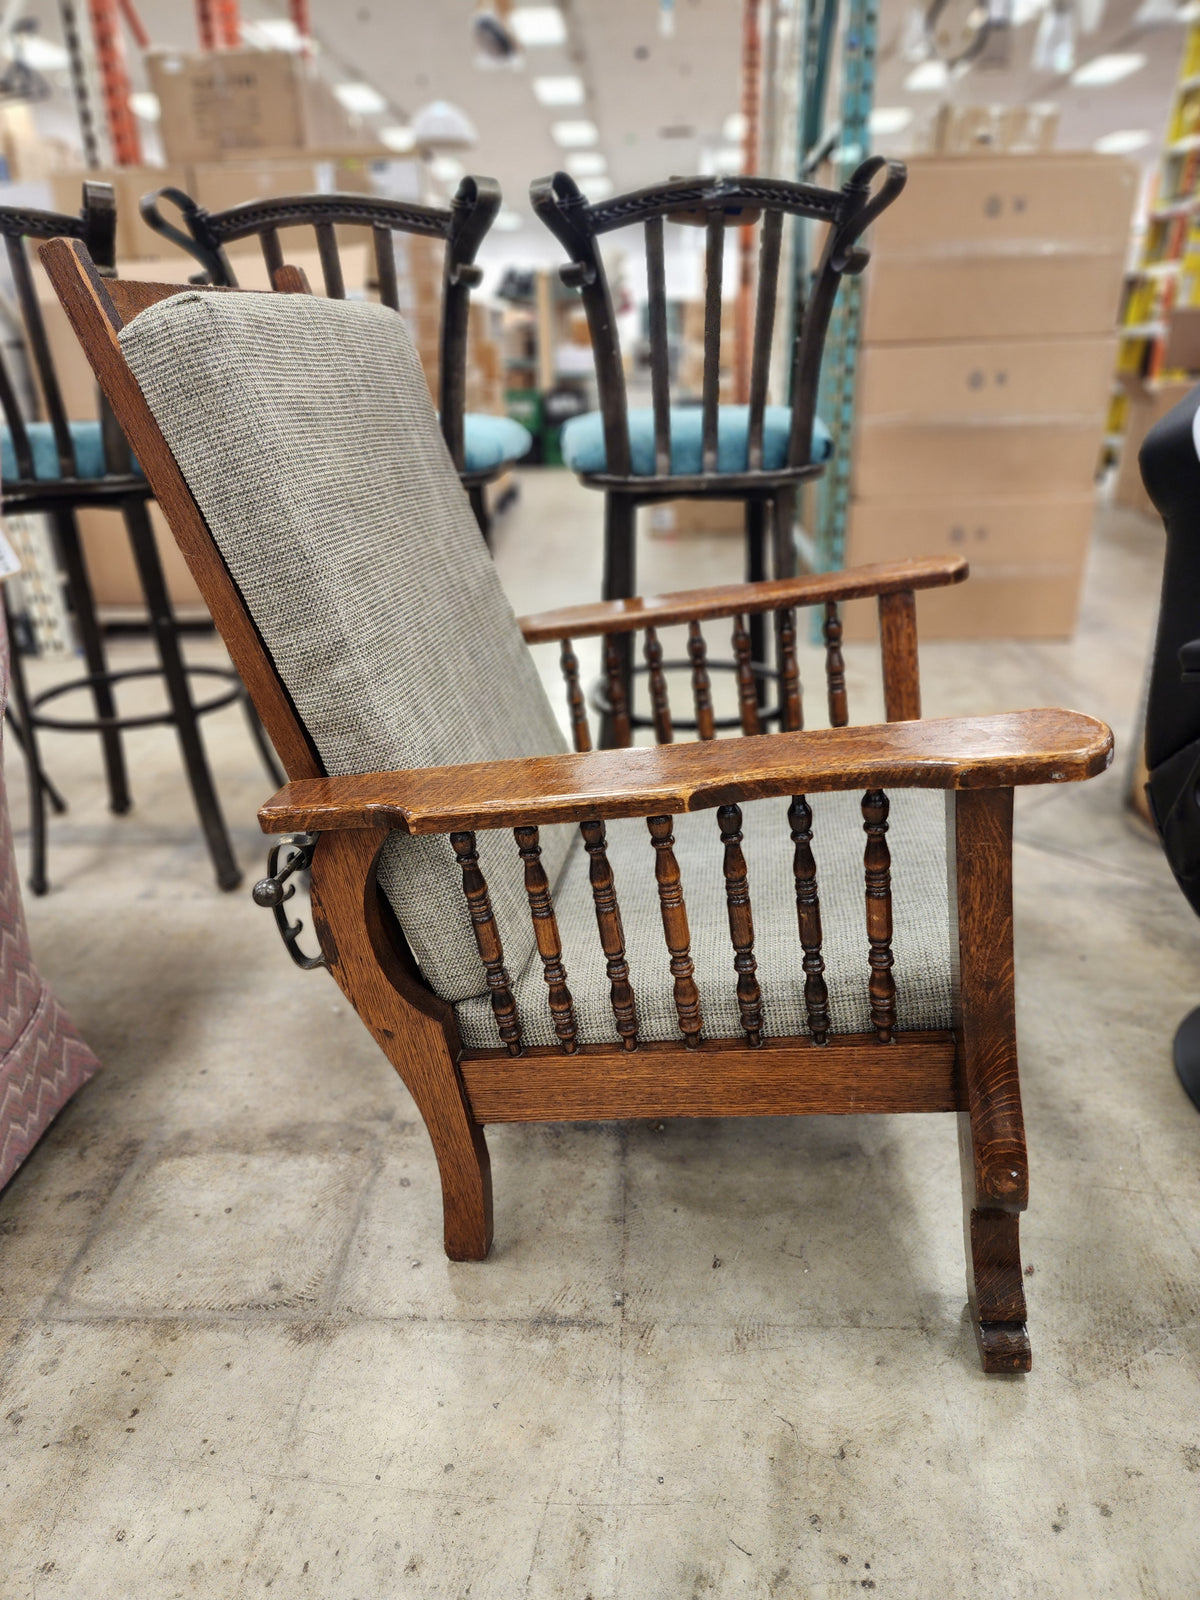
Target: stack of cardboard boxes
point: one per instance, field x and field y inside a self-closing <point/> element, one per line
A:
<point x="987" y="349"/>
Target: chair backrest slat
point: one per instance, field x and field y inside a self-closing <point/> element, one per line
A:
<point x="714" y="262"/>
<point x="39" y="349"/>
<point x="331" y="261"/>
<point x="385" y="267"/>
<point x="272" y="252"/>
<point x="764" y="329"/>
<point x="660" y="383"/>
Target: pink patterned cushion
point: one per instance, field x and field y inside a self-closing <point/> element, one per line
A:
<point x="42" y="1059"/>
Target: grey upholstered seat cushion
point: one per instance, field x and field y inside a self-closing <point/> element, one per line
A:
<point x="304" y="429"/>
<point x="916" y="837"/>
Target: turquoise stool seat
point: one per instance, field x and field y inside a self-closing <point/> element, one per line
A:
<point x="493" y="441"/>
<point x="583" y="440"/>
<point x="89" y="452"/>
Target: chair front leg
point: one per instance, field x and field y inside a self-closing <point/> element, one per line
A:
<point x="413" y="1028"/>
<point x="995" y="1168"/>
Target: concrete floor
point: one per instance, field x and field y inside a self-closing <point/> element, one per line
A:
<point x="704" y="1358"/>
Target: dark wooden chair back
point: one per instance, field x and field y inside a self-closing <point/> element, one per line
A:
<point x="716" y="204"/>
<point x="463" y="225"/>
<point x="96" y="227"/>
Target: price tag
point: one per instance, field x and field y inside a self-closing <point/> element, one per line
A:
<point x="10" y="562"/>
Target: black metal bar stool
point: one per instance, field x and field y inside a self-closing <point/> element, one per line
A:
<point x="481" y="446"/>
<point x="54" y="465"/>
<point x="756" y="453"/>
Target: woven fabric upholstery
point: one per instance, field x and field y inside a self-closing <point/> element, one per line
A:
<point x="304" y="429"/>
<point x="916" y="838"/>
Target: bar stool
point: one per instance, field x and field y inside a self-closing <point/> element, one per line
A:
<point x="756" y="453"/>
<point x="54" y="465"/>
<point x="481" y="446"/>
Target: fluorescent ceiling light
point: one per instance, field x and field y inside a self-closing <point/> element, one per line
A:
<point x="43" y="55"/>
<point x="273" y="33"/>
<point x="360" y="99"/>
<point x="1123" y="142"/>
<point x="508" y="221"/>
<point x="927" y="77"/>
<point x="446" y="169"/>
<point x="597" y="188"/>
<point x="145" y="105"/>
<point x="566" y="90"/>
<point x="890" y="119"/>
<point x="733" y="129"/>
<point x="536" y="25"/>
<point x="1103" y="70"/>
<point x="399" y="138"/>
<point x="586" y="164"/>
<point x="574" y="135"/>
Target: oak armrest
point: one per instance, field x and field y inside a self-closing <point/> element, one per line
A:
<point x="1017" y="747"/>
<point x="730" y="599"/>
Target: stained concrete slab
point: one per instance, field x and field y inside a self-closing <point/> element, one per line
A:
<point x="705" y="1358"/>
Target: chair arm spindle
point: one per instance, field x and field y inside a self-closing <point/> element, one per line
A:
<point x="746" y="683"/>
<point x="878" y="870"/>
<point x="614" y="684"/>
<point x="701" y="684"/>
<point x="659" y="699"/>
<point x="487" y="938"/>
<point x="549" y="942"/>
<point x="835" y="667"/>
<point x="741" y="922"/>
<point x="808" y="915"/>
<point x="675" y="927"/>
<point x="790" y="701"/>
<point x="580" y="732"/>
<point x="612" y="934"/>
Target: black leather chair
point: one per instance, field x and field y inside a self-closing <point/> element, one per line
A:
<point x="1170" y="463"/>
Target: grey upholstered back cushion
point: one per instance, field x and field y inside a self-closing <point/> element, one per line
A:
<point x="305" y="431"/>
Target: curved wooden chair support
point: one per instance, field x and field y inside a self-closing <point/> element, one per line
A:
<point x="967" y="1068"/>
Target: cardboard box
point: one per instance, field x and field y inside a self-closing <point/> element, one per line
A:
<point x="1182" y="350"/>
<point x="1055" y="294"/>
<point x="673" y="518"/>
<point x="248" y="102"/>
<point x="1031" y="603"/>
<point x="1027" y="558"/>
<point x="996" y="201"/>
<point x="1147" y="405"/>
<point x="113" y="571"/>
<point x="1041" y="456"/>
<point x="993" y="378"/>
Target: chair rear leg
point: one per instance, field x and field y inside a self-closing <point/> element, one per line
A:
<point x="619" y="583"/>
<point x="183" y="710"/>
<point x="995" y="1164"/>
<point x="38" y="785"/>
<point x="756" y="571"/>
<point x="478" y="498"/>
<point x="91" y="639"/>
<point x="419" y="1040"/>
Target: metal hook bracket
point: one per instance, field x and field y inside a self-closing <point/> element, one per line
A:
<point x="274" y="891"/>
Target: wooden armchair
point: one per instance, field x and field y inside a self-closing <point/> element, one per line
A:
<point x="628" y="954"/>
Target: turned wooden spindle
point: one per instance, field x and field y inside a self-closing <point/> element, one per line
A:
<point x="580" y="731"/>
<point x="701" y="686"/>
<point x="675" y="927"/>
<point x="790" y="704"/>
<point x="659" y="701"/>
<point x="746" y="685"/>
<point x="878" y="865"/>
<point x="618" y="705"/>
<point x="808" y="915"/>
<point x="487" y="938"/>
<point x="549" y="943"/>
<point x="835" y="667"/>
<point x="741" y="923"/>
<point x="612" y="934"/>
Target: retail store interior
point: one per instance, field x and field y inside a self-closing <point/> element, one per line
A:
<point x="603" y="618"/>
